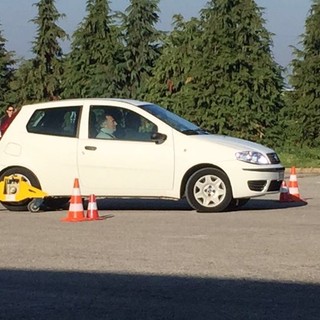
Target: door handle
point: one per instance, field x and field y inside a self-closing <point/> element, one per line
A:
<point x="91" y="148"/>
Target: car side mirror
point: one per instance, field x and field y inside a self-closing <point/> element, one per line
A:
<point x="158" y="138"/>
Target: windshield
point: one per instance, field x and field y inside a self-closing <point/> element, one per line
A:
<point x="173" y="120"/>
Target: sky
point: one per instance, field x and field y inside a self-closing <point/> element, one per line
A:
<point x="284" y="18"/>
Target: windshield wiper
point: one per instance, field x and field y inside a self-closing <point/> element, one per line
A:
<point x="190" y="132"/>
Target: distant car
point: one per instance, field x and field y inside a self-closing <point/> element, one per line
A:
<point x="161" y="155"/>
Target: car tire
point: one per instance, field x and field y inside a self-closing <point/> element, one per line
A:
<point x="209" y="190"/>
<point x="26" y="175"/>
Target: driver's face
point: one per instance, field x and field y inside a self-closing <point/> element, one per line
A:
<point x="110" y="123"/>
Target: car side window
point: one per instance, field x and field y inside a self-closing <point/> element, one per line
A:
<point x="99" y="127"/>
<point x="138" y="128"/>
<point x="62" y="121"/>
<point x="107" y="122"/>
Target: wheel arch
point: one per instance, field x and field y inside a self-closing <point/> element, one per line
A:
<point x="194" y="169"/>
<point x="21" y="168"/>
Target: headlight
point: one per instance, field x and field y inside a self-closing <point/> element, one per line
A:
<point x="252" y="157"/>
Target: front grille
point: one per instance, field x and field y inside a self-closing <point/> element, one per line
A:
<point x="273" y="157"/>
<point x="257" y="185"/>
<point x="275" y="185"/>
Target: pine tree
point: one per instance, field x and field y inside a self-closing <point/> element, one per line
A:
<point x="142" y="41"/>
<point x="171" y="84"/>
<point x="47" y="64"/>
<point x="304" y="105"/>
<point x="22" y="85"/>
<point x="238" y="83"/>
<point x="6" y="72"/>
<point x="91" y="67"/>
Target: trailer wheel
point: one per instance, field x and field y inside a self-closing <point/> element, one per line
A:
<point x="27" y="176"/>
<point x="34" y="205"/>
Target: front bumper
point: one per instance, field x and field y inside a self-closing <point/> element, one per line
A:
<point x="257" y="181"/>
<point x="260" y="185"/>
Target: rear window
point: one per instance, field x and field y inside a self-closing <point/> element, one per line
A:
<point x="62" y="121"/>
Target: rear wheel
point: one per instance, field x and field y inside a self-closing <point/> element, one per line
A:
<point x="209" y="190"/>
<point x="26" y="176"/>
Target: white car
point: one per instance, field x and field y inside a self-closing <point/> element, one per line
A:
<point x="155" y="154"/>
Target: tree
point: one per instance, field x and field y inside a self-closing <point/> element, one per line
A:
<point x="304" y="100"/>
<point x="142" y="41"/>
<point x="172" y="81"/>
<point x="6" y="72"/>
<point x="47" y="64"/>
<point x="22" y="86"/>
<point x="240" y="81"/>
<point x="96" y="53"/>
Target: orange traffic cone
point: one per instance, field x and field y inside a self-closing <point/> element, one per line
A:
<point x="92" y="211"/>
<point x="284" y="193"/>
<point x="293" y="186"/>
<point x="76" y="212"/>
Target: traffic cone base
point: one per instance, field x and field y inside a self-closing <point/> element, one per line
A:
<point x="76" y="212"/>
<point x="295" y="198"/>
<point x="74" y="217"/>
<point x="92" y="211"/>
<point x="284" y="193"/>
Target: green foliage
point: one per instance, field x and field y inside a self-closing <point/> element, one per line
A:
<point x="217" y="71"/>
<point x="241" y="82"/>
<point x="96" y="54"/>
<point x="22" y="86"/>
<point x="299" y="157"/>
<point x="141" y="45"/>
<point x="172" y="81"/>
<point x="47" y="65"/>
<point x="6" y="72"/>
<point x="223" y="74"/>
<point x="304" y="101"/>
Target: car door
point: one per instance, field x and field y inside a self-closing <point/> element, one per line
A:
<point x="128" y="165"/>
<point x="50" y="148"/>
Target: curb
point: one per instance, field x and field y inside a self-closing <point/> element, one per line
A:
<point x="305" y="170"/>
<point x="302" y="172"/>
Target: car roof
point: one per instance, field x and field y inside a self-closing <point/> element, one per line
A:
<point x="59" y="103"/>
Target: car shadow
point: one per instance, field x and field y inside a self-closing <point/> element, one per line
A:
<point x="182" y="205"/>
<point x="142" y="204"/>
<point x="66" y="295"/>
<point x="172" y="205"/>
<point x="269" y="204"/>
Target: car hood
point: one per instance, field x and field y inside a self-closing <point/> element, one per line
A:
<point x="235" y="144"/>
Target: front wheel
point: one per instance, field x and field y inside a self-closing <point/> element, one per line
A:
<point x="209" y="190"/>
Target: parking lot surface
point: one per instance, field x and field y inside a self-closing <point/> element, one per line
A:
<point x="162" y="260"/>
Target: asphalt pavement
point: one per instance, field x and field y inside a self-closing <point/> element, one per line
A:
<point x="162" y="260"/>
